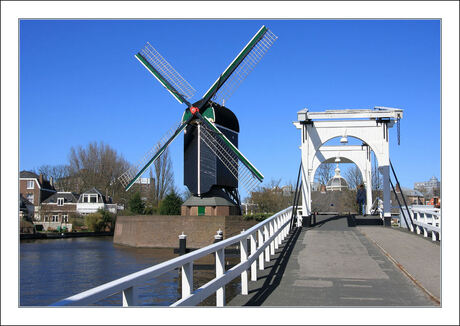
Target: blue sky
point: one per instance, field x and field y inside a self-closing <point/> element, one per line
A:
<point x="80" y="82"/>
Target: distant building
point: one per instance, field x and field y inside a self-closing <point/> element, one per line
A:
<point x="413" y="197"/>
<point x="315" y="186"/>
<point x="337" y="182"/>
<point x="35" y="188"/>
<point x="59" y="207"/>
<point x="428" y="187"/>
<point x="287" y="190"/>
<point x="145" y="186"/>
<point x="92" y="200"/>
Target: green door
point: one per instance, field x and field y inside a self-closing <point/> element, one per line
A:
<point x="201" y="210"/>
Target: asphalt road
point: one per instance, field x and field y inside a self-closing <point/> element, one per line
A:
<point x="335" y="264"/>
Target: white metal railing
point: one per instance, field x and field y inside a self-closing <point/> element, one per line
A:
<point x="428" y="219"/>
<point x="265" y="237"/>
<point x="377" y="207"/>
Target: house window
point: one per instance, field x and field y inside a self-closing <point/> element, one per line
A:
<point x="93" y="199"/>
<point x="55" y="218"/>
<point x="65" y="218"/>
<point x="30" y="184"/>
<point x="45" y="218"/>
<point x="60" y="202"/>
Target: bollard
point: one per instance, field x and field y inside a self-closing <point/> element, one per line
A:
<point x="218" y="237"/>
<point x="182" y="244"/>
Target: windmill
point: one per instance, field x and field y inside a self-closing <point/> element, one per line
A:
<point x="213" y="164"/>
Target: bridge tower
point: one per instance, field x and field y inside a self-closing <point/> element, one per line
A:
<point x="370" y="126"/>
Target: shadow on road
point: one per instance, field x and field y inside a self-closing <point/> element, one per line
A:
<point x="273" y="279"/>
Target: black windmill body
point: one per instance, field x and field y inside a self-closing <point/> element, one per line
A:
<point x="213" y="164"/>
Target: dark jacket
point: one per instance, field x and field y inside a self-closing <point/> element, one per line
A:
<point x="361" y="195"/>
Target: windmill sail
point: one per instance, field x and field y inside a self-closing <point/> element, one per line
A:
<point x="165" y="74"/>
<point x="238" y="165"/>
<point x="241" y="66"/>
<point x="129" y="177"/>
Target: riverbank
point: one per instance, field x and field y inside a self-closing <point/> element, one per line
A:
<point x="61" y="235"/>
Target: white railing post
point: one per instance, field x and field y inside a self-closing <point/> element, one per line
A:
<point x="276" y="227"/>
<point x="272" y="243"/>
<point x="187" y="279"/>
<point x="433" y="235"/>
<point x="282" y="227"/>
<point x="244" y="257"/>
<point x="129" y="296"/>
<point x="254" y="264"/>
<point x="260" y="237"/>
<point x="425" y="232"/>
<point x="279" y="228"/>
<point x="220" y="268"/>
<point x="286" y="227"/>
<point x="267" y="248"/>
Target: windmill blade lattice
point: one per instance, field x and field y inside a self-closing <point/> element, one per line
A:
<point x="167" y="72"/>
<point x="244" y="176"/>
<point x="129" y="175"/>
<point x="245" y="67"/>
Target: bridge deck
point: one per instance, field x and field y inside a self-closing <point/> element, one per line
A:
<point x="339" y="261"/>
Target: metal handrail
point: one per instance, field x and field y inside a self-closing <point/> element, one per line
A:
<point x="269" y="233"/>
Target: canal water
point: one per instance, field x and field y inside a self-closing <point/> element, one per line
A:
<point x="54" y="269"/>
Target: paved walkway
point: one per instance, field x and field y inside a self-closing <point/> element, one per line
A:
<point x="338" y="262"/>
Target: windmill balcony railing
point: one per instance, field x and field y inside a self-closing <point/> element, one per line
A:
<point x="265" y="237"/>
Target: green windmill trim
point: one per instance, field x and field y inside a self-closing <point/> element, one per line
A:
<point x="159" y="77"/>
<point x="240" y="57"/>
<point x="240" y="155"/>
<point x="154" y="158"/>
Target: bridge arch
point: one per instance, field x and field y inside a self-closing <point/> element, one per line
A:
<point x="358" y="154"/>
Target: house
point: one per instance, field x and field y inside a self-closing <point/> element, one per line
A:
<point x="92" y="200"/>
<point x="56" y="210"/>
<point x="35" y="188"/>
<point x="145" y="187"/>
<point x="412" y="196"/>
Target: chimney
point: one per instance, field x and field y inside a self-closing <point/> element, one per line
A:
<point x="51" y="182"/>
<point x="40" y="179"/>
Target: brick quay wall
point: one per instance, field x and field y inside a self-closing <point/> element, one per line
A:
<point x="162" y="231"/>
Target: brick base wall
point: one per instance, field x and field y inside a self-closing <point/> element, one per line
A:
<point x="155" y="231"/>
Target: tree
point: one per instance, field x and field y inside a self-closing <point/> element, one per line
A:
<point x="100" y="221"/>
<point x="270" y="199"/>
<point x="59" y="173"/>
<point x="135" y="203"/>
<point x="163" y="180"/>
<point x="97" y="165"/>
<point x="353" y="177"/>
<point x="171" y="204"/>
<point x="324" y="173"/>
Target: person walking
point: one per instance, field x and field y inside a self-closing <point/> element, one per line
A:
<point x="361" y="199"/>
